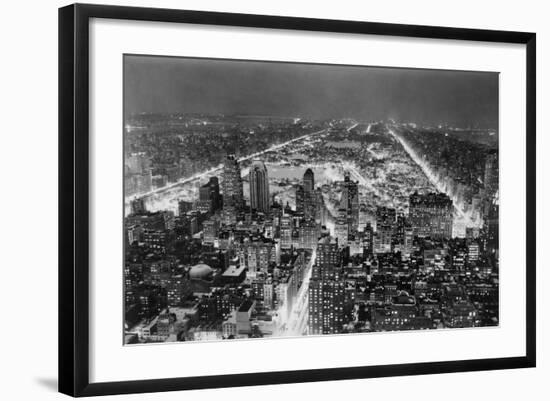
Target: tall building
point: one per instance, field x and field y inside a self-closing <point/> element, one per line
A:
<point x="209" y="196"/>
<point x="342" y="228"/>
<point x="309" y="232"/>
<point x="307" y="201"/>
<point x="256" y="253"/>
<point x="177" y="289"/>
<point x="408" y="238"/>
<point x="232" y="189"/>
<point x="232" y="183"/>
<point x="431" y="215"/>
<point x="328" y="258"/>
<point x="350" y="202"/>
<point x="259" y="187"/>
<point x="309" y="181"/>
<point x="326" y="291"/>
<point x="322" y="213"/>
<point x="286" y="232"/>
<point x="300" y="199"/>
<point x="211" y="229"/>
<point x="368" y="238"/>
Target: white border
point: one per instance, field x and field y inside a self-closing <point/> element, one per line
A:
<point x="110" y="361"/>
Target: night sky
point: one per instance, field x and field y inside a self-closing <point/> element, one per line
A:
<point x="187" y="85"/>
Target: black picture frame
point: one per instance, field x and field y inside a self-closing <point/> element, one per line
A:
<point x="74" y="198"/>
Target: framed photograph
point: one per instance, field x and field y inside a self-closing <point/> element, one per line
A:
<point x="250" y="199"/>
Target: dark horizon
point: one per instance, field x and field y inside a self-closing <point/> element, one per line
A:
<point x="159" y="84"/>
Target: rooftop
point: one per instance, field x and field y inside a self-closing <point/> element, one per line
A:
<point x="246" y="305"/>
<point x="234" y="271"/>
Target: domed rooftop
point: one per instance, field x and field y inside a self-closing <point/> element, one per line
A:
<point x="201" y="272"/>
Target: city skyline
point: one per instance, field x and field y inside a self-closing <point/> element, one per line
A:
<point x="247" y="226"/>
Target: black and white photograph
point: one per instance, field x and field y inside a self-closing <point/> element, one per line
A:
<point x="269" y="199"/>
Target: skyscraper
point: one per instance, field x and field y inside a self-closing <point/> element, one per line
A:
<point x="232" y="189"/>
<point x="309" y="233"/>
<point x="342" y="228"/>
<point x="326" y="291"/>
<point x="259" y="187"/>
<point x="328" y="258"/>
<point x="321" y="211"/>
<point x="309" y="181"/>
<point x="350" y="202"/>
<point x="232" y="182"/>
<point x="286" y="232"/>
<point x="431" y="215"/>
<point x="306" y="197"/>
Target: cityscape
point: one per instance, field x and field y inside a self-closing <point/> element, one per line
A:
<point x="242" y="224"/>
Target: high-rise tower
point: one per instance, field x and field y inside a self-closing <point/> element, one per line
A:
<point x="309" y="182"/>
<point x="350" y="202"/>
<point x="259" y="187"/>
<point x="306" y="198"/>
<point x="232" y="182"/>
<point x="326" y="290"/>
<point x="232" y="189"/>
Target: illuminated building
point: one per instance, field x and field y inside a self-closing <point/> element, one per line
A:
<point x="286" y="232"/>
<point x="155" y="240"/>
<point x="462" y="314"/>
<point x="177" y="290"/>
<point x="233" y="200"/>
<point x="268" y="294"/>
<point x="309" y="232"/>
<point x="256" y="253"/>
<point x="473" y="252"/>
<point x="309" y="181"/>
<point x="350" y="202"/>
<point x="326" y="291"/>
<point x="259" y="187"/>
<point x="211" y="228"/>
<point x="383" y="239"/>
<point x="431" y="215"/>
<point x="307" y="201"/>
<point x="342" y="228"/>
